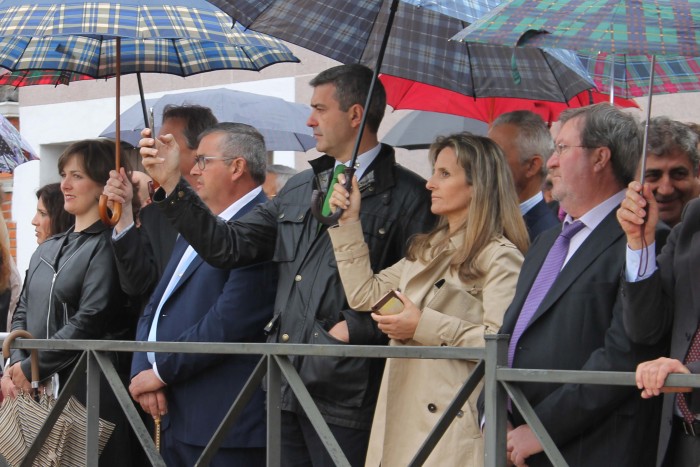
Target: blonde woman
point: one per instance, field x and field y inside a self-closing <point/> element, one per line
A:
<point x="455" y="285"/>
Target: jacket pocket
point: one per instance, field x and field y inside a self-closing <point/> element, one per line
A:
<point x="461" y="301"/>
<point x="290" y="226"/>
<point x="341" y="380"/>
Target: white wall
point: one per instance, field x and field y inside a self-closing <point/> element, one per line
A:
<point x="51" y="128"/>
<point x="26" y="182"/>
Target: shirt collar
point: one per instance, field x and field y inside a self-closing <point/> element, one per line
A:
<point x="233" y="209"/>
<point x="528" y="204"/>
<point x="363" y="161"/>
<point x="596" y="215"/>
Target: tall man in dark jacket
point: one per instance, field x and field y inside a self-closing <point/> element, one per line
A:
<point x="310" y="305"/>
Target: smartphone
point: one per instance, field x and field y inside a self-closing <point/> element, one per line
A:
<point x="389" y="304"/>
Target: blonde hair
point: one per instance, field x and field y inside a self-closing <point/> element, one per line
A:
<point x="494" y="210"/>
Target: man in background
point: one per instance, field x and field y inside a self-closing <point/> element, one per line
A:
<point x="672" y="167"/>
<point x="525" y="140"/>
<point x="277" y="176"/>
<point x="142" y="253"/>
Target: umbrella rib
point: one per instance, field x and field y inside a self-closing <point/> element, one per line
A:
<point x="556" y="78"/>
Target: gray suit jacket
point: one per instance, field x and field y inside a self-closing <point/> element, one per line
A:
<point x="669" y="302"/>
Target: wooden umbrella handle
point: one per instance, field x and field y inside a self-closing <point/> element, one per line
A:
<point x="34" y="356"/>
<point x="104" y="213"/>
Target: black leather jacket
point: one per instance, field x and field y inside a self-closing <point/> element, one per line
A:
<point x="310" y="297"/>
<point x="71" y="292"/>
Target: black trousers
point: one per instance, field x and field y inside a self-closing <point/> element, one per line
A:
<point x="683" y="450"/>
<point x="301" y="446"/>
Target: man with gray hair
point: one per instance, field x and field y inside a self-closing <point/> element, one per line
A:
<point x="277" y="176"/>
<point x="527" y="144"/>
<point x="672" y="167"/>
<point x="196" y="302"/>
<point x="566" y="313"/>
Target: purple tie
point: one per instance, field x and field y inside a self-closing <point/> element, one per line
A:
<point x="543" y="282"/>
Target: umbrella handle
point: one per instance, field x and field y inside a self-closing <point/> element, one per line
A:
<point x="7" y="343"/>
<point x="318" y="196"/>
<point x="116" y="212"/>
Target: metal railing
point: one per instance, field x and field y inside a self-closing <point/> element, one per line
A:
<point x="500" y="382"/>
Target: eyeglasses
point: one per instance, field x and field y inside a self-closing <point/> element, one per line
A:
<point x="201" y="161"/>
<point x="562" y="148"/>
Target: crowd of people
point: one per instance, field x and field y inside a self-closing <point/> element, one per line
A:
<point x="226" y="249"/>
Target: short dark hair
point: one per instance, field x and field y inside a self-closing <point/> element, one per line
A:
<point x="96" y="156"/>
<point x="51" y="197"/>
<point x="197" y="118"/>
<point x="665" y="135"/>
<point x="351" y="87"/>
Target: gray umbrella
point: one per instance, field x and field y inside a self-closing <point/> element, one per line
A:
<point x="282" y="123"/>
<point x="420" y="128"/>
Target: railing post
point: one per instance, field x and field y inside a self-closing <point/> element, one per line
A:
<point x="495" y="402"/>
<point x="274" y="414"/>
<point x="93" y="408"/>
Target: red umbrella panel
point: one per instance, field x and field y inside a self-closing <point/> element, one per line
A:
<point x="407" y="94"/>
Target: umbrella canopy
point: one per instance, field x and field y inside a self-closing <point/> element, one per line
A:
<point x="621" y="27"/>
<point x="282" y="123"/>
<point x="14" y="150"/>
<point x="419" y="129"/>
<point x="114" y="21"/>
<point x="62" y="59"/>
<point x="631" y="74"/>
<point x="418" y="47"/>
<point x="406" y="94"/>
<point x="628" y="27"/>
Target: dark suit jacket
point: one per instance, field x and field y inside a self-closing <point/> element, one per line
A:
<point x="578" y="326"/>
<point x="669" y="302"/>
<point x="538" y="219"/>
<point x="142" y="253"/>
<point x="210" y="305"/>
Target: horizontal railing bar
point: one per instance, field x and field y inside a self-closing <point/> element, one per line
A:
<point x="365" y="351"/>
<point x="612" y="378"/>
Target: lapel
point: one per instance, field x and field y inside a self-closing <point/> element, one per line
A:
<point x="198" y="261"/>
<point x="694" y="274"/>
<point x="531" y="266"/>
<point x="597" y="243"/>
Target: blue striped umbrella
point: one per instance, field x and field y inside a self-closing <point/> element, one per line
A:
<point x="76" y="57"/>
<point x="60" y="34"/>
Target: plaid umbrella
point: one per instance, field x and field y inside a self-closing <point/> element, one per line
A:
<point x="84" y="24"/>
<point x="628" y="27"/>
<point x="623" y="27"/>
<point x="14" y="150"/>
<point x="63" y="59"/>
<point x="418" y="47"/>
<point x="631" y="74"/>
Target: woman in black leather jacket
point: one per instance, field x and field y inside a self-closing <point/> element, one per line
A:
<point x="72" y="288"/>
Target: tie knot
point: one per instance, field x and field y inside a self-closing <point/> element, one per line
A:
<point x="571" y="229"/>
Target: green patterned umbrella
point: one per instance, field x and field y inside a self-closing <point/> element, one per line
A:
<point x="632" y="27"/>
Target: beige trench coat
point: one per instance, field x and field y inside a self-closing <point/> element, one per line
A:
<point x="415" y="393"/>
